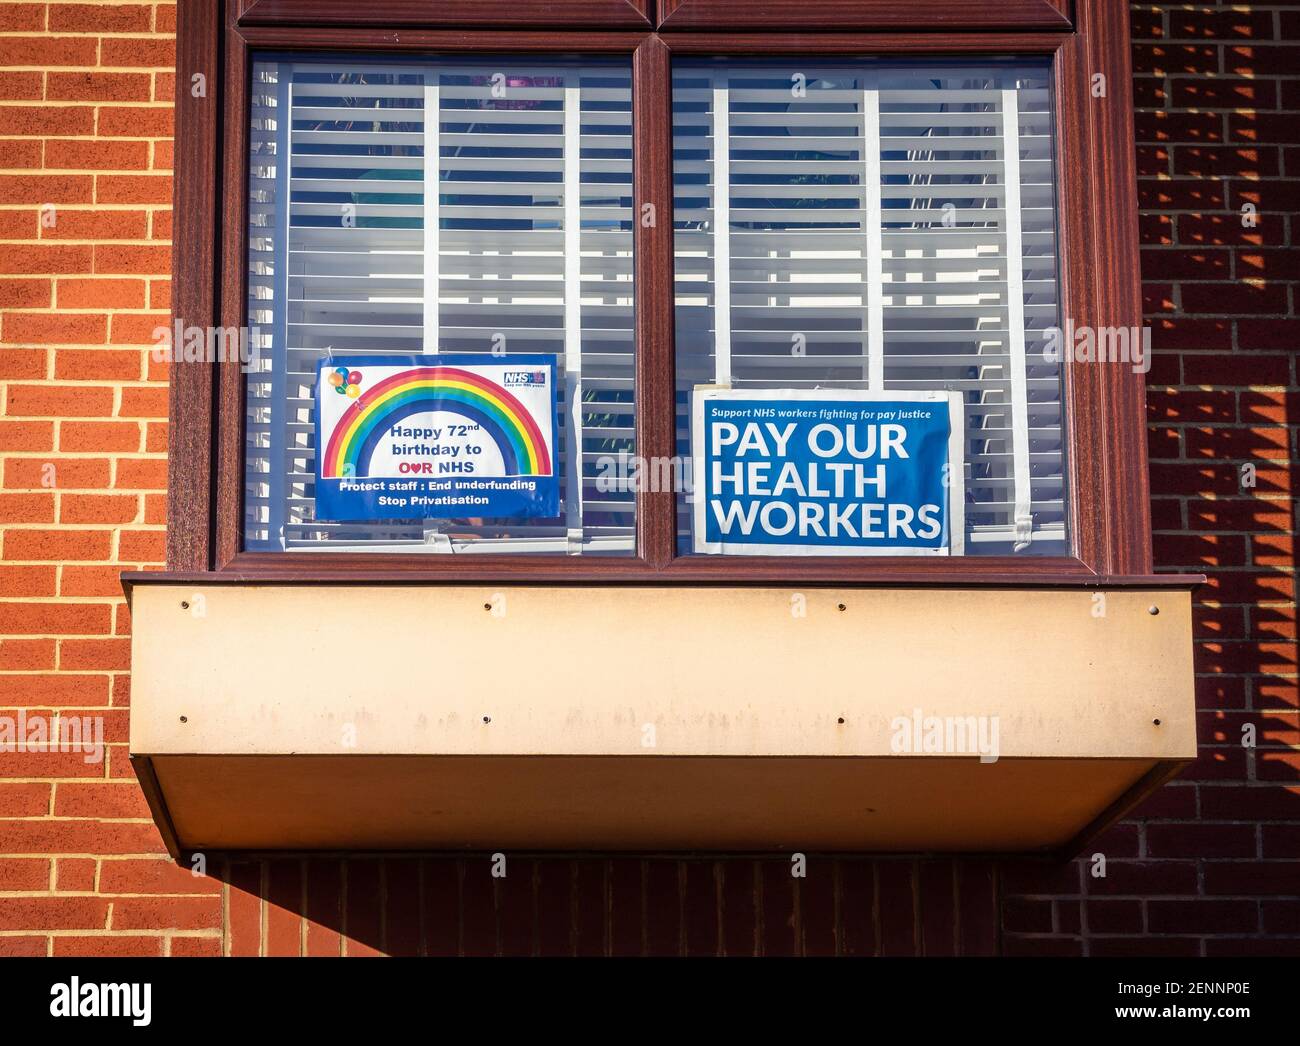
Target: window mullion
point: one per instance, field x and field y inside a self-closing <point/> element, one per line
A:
<point x="655" y="332"/>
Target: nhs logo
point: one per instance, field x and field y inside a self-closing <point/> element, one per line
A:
<point x="525" y="377"/>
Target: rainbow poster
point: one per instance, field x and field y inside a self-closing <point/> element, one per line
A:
<point x="441" y="437"/>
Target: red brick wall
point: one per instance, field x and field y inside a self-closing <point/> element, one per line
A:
<point x="85" y="251"/>
<point x="1210" y="865"/>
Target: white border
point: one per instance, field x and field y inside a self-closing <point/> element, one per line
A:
<point x="956" y="507"/>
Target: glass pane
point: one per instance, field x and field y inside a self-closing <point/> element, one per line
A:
<point x="514" y="268"/>
<point x="887" y="228"/>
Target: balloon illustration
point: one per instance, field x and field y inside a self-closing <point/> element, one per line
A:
<point x="345" y="382"/>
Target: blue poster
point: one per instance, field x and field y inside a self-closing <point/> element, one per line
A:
<point x="441" y="437"/>
<point x="827" y="472"/>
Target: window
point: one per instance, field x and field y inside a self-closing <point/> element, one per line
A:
<point x="475" y="207"/>
<point x="633" y="221"/>
<point x="884" y="226"/>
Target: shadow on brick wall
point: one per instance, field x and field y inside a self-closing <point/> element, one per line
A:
<point x="559" y="905"/>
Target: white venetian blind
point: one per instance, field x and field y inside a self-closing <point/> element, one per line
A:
<point x="880" y="226"/>
<point x="456" y="207"/>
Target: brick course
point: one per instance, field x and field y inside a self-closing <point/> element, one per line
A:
<point x="1210" y="865"/>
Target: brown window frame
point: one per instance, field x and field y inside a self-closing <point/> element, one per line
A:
<point x="1109" y="514"/>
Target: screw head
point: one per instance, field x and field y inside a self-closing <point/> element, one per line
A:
<point x="1153" y="610"/>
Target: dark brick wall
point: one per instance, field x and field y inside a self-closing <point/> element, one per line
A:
<point x="1211" y="864"/>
